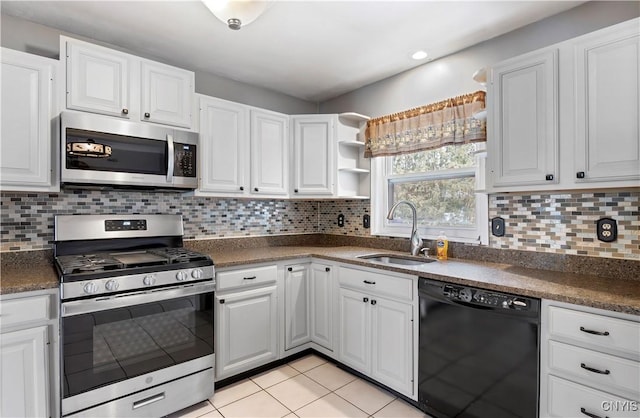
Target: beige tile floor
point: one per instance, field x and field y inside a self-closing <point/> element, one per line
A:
<point x="306" y="387"/>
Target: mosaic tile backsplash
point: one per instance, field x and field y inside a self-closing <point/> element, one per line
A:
<point x="559" y="223"/>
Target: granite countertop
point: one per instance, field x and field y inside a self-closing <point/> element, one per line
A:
<point x="622" y="295"/>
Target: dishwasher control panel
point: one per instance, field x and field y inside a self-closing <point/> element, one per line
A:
<point x="485" y="297"/>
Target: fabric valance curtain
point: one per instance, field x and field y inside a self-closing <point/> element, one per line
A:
<point x="427" y="127"/>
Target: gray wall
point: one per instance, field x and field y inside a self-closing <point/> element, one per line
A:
<point x="451" y="75"/>
<point x="23" y="35"/>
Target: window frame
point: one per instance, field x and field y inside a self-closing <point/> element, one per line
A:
<point x="381" y="182"/>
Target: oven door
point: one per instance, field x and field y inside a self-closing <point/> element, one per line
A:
<point x="118" y="345"/>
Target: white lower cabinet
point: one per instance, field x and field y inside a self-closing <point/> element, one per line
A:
<point x="28" y="355"/>
<point x="246" y="323"/>
<point x="376" y="333"/>
<point x="322" y="285"/>
<point x="589" y="362"/>
<point x="296" y="310"/>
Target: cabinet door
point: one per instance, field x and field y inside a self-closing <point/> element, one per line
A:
<point x="321" y="305"/>
<point x="296" y="309"/>
<point x="269" y="153"/>
<point x="392" y="342"/>
<point x="167" y="94"/>
<point x="314" y="155"/>
<point x="607" y="106"/>
<point x="246" y="329"/>
<point x="224" y="146"/>
<point x="27" y="109"/>
<point x="97" y="80"/>
<point x="23" y="390"/>
<point x="354" y="330"/>
<point x="523" y="146"/>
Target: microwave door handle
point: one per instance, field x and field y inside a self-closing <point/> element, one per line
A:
<point x="170" y="160"/>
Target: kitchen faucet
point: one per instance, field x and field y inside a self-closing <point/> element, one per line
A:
<point x="416" y="241"/>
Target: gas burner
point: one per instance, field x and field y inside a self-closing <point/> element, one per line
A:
<point x="178" y="254"/>
<point x="71" y="264"/>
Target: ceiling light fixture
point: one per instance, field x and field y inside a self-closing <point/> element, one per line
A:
<point x="237" y="13"/>
<point x="419" y="55"/>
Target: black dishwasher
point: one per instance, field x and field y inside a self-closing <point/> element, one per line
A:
<point x="479" y="352"/>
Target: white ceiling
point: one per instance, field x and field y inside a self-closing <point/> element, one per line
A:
<point x="313" y="50"/>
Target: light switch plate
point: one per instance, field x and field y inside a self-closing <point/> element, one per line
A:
<point x="497" y="226"/>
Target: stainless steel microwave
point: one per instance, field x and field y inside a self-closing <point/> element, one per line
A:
<point x="102" y="151"/>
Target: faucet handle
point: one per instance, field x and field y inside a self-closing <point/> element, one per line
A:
<point x="425" y="250"/>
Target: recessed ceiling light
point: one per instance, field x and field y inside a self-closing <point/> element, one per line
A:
<point x="419" y="55"/>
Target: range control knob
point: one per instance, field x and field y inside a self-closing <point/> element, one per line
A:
<point x="507" y="303"/>
<point x="112" y="285"/>
<point x="90" y="288"/>
<point x="465" y="295"/>
<point x="149" y="280"/>
<point x="196" y="274"/>
<point x="181" y="276"/>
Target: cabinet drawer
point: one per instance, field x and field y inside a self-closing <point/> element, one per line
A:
<point x="246" y="277"/>
<point x="23" y="310"/>
<point x="378" y="283"/>
<point x="568" y="399"/>
<point x="607" y="333"/>
<point x="600" y="370"/>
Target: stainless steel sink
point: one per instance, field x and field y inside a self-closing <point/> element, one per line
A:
<point x="402" y="260"/>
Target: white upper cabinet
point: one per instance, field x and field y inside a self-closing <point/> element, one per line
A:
<point x="607" y="105"/>
<point x="269" y="153"/>
<point x="27" y="154"/>
<point x="523" y="149"/>
<point x="102" y="80"/>
<point x="567" y="119"/>
<point x="313" y="155"/>
<point x="167" y="94"/>
<point x="224" y="146"/>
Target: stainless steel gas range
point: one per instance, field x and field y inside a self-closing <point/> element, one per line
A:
<point x="137" y="321"/>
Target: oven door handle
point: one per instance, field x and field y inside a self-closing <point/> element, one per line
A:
<point x="79" y="307"/>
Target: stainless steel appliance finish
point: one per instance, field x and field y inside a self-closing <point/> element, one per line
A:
<point x="478" y="352"/>
<point x="136" y="316"/>
<point x="102" y="151"/>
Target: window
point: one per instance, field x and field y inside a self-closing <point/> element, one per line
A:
<point x="442" y="184"/>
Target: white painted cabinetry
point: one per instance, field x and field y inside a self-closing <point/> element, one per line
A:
<point x="296" y="309"/>
<point x="245" y="319"/>
<point x="313" y="155"/>
<point x="28" y="355"/>
<point x="354" y="178"/>
<point x="269" y="139"/>
<point x="29" y="126"/>
<point x="607" y="100"/>
<point x="376" y="327"/>
<point x="589" y="362"/>
<point x="224" y="146"/>
<point x="567" y="119"/>
<point x="102" y="80"/>
<point x="524" y="106"/>
<point x="322" y="286"/>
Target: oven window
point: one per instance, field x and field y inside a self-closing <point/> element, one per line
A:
<point x="105" y="347"/>
<point x="117" y="153"/>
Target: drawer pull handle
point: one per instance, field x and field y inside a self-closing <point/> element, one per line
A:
<point x="250" y="278"/>
<point x="589" y="414"/>
<point x="591" y="369"/>
<point x="148" y="401"/>
<point x="369" y="282"/>
<point x="589" y="331"/>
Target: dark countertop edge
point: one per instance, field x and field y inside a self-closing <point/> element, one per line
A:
<point x="346" y="254"/>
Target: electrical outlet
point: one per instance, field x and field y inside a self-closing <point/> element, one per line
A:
<point x="341" y="220"/>
<point x="366" y="221"/>
<point x="607" y="229"/>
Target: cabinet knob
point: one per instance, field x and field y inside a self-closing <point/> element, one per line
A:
<point x="365" y="300"/>
<point x="255" y="189"/>
<point x="373" y="301"/>
<point x="549" y="177"/>
<point x="125" y="111"/>
<point x="327" y="269"/>
<point x="241" y="188"/>
<point x="147" y="115"/>
<point x="580" y="174"/>
<point x="295" y="190"/>
<point x="221" y="300"/>
<point x="290" y="268"/>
